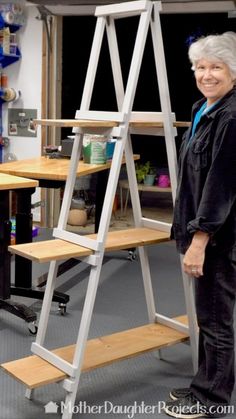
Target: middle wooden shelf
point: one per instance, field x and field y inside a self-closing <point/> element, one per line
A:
<point x="57" y="249"/>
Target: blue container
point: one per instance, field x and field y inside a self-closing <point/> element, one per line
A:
<point x="110" y="149"/>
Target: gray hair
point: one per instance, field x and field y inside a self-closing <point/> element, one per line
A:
<point x="215" y="47"/>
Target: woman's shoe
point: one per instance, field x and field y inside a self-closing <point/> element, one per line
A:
<point x="188" y="407"/>
<point x="179" y="393"/>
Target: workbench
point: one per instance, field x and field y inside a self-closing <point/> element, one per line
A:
<point x="49" y="173"/>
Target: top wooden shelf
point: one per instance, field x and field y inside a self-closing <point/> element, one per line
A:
<point x="71" y="123"/>
<point x="86" y="123"/>
<point x="158" y="124"/>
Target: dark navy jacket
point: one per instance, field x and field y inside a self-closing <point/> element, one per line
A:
<point x="206" y="193"/>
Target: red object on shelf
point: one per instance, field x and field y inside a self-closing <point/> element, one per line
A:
<point x="4" y="80"/>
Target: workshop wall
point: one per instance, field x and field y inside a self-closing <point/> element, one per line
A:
<point x="25" y="76"/>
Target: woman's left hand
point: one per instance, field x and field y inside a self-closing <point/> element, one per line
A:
<point x="195" y="255"/>
<point x="193" y="261"/>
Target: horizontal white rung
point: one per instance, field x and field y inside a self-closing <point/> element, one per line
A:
<point x="100" y="116"/>
<point x="149" y="116"/>
<point x="91" y="260"/>
<point x="130" y="8"/>
<point x="77" y="239"/>
<point x="156" y="225"/>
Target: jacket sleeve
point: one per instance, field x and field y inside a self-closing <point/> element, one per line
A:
<point x="219" y="192"/>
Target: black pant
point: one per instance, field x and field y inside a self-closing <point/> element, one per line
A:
<point x="215" y="300"/>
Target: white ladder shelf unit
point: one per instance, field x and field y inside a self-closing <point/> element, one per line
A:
<point x="65" y="364"/>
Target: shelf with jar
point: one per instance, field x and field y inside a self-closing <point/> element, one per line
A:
<point x="12" y="15"/>
<point x="9" y="51"/>
<point x="9" y="24"/>
<point x="11" y="19"/>
<point x="8" y="94"/>
<point x="6" y="24"/>
<point x="8" y="59"/>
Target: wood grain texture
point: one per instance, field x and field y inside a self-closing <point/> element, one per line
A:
<point x="51" y="169"/>
<point x="9" y="182"/>
<point x="57" y="249"/>
<point x="158" y="124"/>
<point x="71" y="123"/>
<point x="34" y="372"/>
<point x="96" y="124"/>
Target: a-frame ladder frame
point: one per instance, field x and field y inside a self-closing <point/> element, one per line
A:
<point x="188" y="281"/>
<point x="149" y="14"/>
<point x="169" y="134"/>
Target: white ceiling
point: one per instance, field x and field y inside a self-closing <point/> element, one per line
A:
<point x="87" y="2"/>
<point x="168" y="6"/>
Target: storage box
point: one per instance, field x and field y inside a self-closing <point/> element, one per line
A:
<point x="94" y="149"/>
<point x="66" y="147"/>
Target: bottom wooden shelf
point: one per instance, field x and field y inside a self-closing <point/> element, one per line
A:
<point x="34" y="372"/>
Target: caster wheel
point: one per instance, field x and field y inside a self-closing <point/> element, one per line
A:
<point x="132" y="255"/>
<point x="62" y="309"/>
<point x="33" y="328"/>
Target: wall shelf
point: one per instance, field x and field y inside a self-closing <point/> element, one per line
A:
<point x="3" y="24"/>
<point x="8" y="59"/>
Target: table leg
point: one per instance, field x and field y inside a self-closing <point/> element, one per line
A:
<point x="19" y="310"/>
<point x="23" y="266"/>
<point x="5" y="238"/>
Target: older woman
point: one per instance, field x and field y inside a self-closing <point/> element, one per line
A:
<point x="204" y="225"/>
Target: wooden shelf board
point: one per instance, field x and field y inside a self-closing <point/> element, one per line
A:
<point x="43" y="168"/>
<point x="157" y="124"/>
<point x="75" y="123"/>
<point x="57" y="249"/>
<point x="97" y="123"/>
<point x="9" y="182"/>
<point x="34" y="372"/>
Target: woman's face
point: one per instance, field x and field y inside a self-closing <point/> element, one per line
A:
<point x="213" y="79"/>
